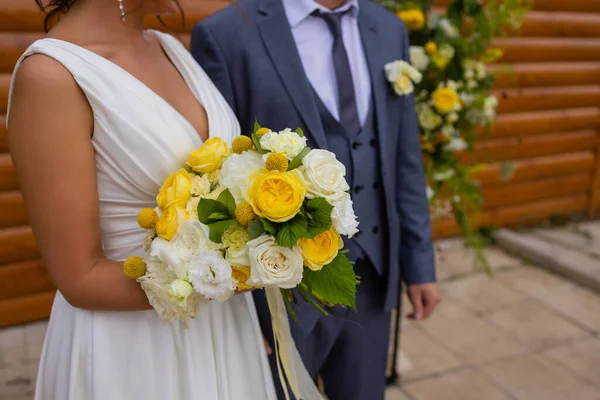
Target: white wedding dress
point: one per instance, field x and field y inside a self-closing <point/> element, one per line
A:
<point x="139" y="140"/>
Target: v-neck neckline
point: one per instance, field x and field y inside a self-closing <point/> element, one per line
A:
<point x="175" y="61"/>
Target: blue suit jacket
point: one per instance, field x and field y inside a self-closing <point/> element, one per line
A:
<point x="248" y="51"/>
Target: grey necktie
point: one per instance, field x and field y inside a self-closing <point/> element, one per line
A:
<point x="347" y="100"/>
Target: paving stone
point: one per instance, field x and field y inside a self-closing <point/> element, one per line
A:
<point x="534" y="325"/>
<point x="460" y="385"/>
<point x="577" y="303"/>
<point x="426" y="355"/>
<point x="15" y="382"/>
<point x="480" y="293"/>
<point x="395" y="393"/>
<point x="580" y="356"/>
<point x="536" y="377"/>
<point x="473" y="339"/>
<point x="533" y="281"/>
<point x="573" y="264"/>
<point x="460" y="261"/>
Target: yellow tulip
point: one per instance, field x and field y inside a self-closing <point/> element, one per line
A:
<point x="321" y="250"/>
<point x="208" y="157"/>
<point x="175" y="191"/>
<point x="276" y="196"/>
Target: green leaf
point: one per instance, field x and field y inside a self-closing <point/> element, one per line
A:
<point x="216" y="229"/>
<point x="210" y="211"/>
<point x="297" y="161"/>
<point x="335" y="283"/>
<point x="255" y="228"/>
<point x="291" y="231"/>
<point x="320" y="212"/>
<point x="256" y="141"/>
<point x="256" y="126"/>
<point x="270" y="227"/>
<point x="227" y="199"/>
<point x="300" y="132"/>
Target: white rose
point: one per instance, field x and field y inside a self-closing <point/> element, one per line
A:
<point x="167" y="307"/>
<point x="467" y="99"/>
<point x="429" y="119"/>
<point x="343" y="218"/>
<point x="211" y="275"/>
<point x="150" y="235"/>
<point x="481" y="72"/>
<point x="469" y="74"/>
<point x="192" y="207"/>
<point x="402" y="75"/>
<point x="273" y="265"/>
<point x="325" y="176"/>
<point x="180" y="289"/>
<point x="472" y="84"/>
<point x="489" y="107"/>
<point x="418" y="58"/>
<point x="430" y="193"/>
<point x="452" y="117"/>
<point x="235" y="173"/>
<point x="443" y="175"/>
<point x="449" y="30"/>
<point x="200" y="185"/>
<point x="456" y="144"/>
<point x="171" y="259"/>
<point x="191" y="237"/>
<point x="286" y="142"/>
<point x="448" y="130"/>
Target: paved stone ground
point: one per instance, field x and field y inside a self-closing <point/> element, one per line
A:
<point x="524" y="334"/>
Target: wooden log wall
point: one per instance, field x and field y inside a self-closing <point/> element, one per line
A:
<point x="549" y="114"/>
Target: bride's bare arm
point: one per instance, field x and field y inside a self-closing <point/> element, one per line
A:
<point x="50" y="129"/>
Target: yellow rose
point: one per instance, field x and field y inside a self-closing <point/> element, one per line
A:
<point x="169" y="221"/>
<point x="208" y="157"/>
<point x="445" y="100"/>
<point x="241" y="276"/>
<point x="413" y="19"/>
<point x="276" y="196"/>
<point x="175" y="191"/>
<point x="430" y="48"/>
<point x="321" y="250"/>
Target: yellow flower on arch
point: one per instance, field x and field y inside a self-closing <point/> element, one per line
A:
<point x="413" y="19"/>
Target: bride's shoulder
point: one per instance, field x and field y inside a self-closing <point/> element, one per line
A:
<point x="40" y="75"/>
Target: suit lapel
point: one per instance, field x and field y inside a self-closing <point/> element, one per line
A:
<point x="373" y="48"/>
<point x="277" y="37"/>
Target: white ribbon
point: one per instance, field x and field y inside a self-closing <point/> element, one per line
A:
<point x="289" y="362"/>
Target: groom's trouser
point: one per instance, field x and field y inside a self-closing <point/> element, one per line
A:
<point x="347" y="349"/>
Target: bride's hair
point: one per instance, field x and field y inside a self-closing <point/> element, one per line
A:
<point x="56" y="8"/>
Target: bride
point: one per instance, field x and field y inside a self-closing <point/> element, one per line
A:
<point x="101" y="112"/>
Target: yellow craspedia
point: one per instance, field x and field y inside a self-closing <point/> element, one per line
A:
<point x="147" y="218"/>
<point x="244" y="214"/>
<point x="413" y="19"/>
<point x="277" y="162"/>
<point x="445" y="100"/>
<point x="241" y="276"/>
<point x="262" y="131"/>
<point x="321" y="250"/>
<point x="430" y="48"/>
<point x="175" y="191"/>
<point x="208" y="157"/>
<point x="276" y="196"/>
<point x="241" y="144"/>
<point x="134" y="267"/>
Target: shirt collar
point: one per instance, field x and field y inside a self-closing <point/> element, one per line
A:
<point x="298" y="10"/>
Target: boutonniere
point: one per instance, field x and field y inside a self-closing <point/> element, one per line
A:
<point x="402" y="77"/>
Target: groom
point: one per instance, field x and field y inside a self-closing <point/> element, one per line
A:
<point x="319" y="65"/>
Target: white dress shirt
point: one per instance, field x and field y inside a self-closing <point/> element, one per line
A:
<point x="315" y="45"/>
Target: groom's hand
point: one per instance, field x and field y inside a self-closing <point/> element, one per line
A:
<point x="424" y="299"/>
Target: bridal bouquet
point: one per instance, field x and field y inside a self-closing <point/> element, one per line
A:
<point x="266" y="213"/>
